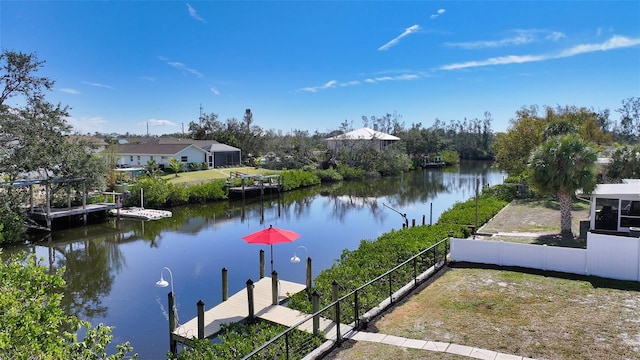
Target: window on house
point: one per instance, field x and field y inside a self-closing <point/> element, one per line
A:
<point x="183" y="159"/>
<point x="606" y="214"/>
<point x="151" y="157"/>
<point x="131" y="158"/>
<point x="629" y="213"/>
<point x="138" y="157"/>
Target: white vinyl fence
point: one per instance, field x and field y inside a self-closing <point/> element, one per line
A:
<point x="609" y="256"/>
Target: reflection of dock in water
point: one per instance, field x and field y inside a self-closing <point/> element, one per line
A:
<point x="253" y="185"/>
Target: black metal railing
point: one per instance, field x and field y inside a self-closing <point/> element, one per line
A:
<point x="355" y="308"/>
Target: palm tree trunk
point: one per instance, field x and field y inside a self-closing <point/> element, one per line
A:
<point x="565" y="214"/>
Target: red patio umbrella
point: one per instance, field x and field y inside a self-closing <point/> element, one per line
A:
<point x="270" y="236"/>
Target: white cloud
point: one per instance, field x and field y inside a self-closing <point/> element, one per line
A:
<point x="502" y="60"/>
<point x="215" y="91"/>
<point x="148" y="78"/>
<point x="158" y="122"/>
<point x="84" y="125"/>
<point x="97" y="85"/>
<point x="334" y="83"/>
<point x="616" y="42"/>
<point x="184" y="68"/>
<point x="396" y="40"/>
<point x="392" y="78"/>
<point x="438" y="13"/>
<point x="70" y="91"/>
<point x="194" y="14"/>
<point x="520" y="37"/>
<point x="555" y="36"/>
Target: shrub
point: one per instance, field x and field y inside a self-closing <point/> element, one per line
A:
<point x="505" y="192"/>
<point x="464" y="213"/>
<point x="450" y="157"/>
<point x="293" y="179"/>
<point x="350" y="173"/>
<point x="210" y="191"/>
<point x="329" y="175"/>
<point x="373" y="258"/>
<point x="155" y="192"/>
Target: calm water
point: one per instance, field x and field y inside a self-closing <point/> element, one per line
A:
<point x="112" y="267"/>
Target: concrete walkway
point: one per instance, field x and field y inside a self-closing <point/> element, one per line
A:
<point x="432" y="346"/>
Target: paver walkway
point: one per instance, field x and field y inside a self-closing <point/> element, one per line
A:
<point x="463" y="350"/>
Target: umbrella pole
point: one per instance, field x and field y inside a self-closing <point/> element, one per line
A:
<point x="272" y="258"/>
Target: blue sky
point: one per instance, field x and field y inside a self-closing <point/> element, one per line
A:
<point x="125" y="65"/>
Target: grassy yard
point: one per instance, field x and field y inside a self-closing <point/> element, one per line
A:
<point x="196" y="177"/>
<point x="527" y="314"/>
<point x="536" y="222"/>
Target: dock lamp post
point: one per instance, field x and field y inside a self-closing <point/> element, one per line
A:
<point x="295" y="259"/>
<point x="173" y="315"/>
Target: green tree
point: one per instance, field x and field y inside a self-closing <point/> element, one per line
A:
<point x="34" y="326"/>
<point x="560" y="166"/>
<point x="34" y="133"/>
<point x="514" y="147"/>
<point x="625" y="163"/>
<point x="629" y="118"/>
<point x="175" y="165"/>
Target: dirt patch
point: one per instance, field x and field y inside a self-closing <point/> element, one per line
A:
<point x="525" y="314"/>
<point x="535" y="222"/>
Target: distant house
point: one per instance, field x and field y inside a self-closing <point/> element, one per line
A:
<point x="615" y="207"/>
<point x="93" y="144"/>
<point x="160" y="150"/>
<point x="217" y="154"/>
<point x="363" y="137"/>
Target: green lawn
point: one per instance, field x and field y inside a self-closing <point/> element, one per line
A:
<point x="196" y="177"/>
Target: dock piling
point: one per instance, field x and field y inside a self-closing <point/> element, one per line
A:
<point x="200" y="306"/>
<point x="225" y="284"/>
<point x="261" y="264"/>
<point x="315" y="307"/>
<point x="274" y="288"/>
<point x="251" y="316"/>
<point x="308" y="274"/>
<point x="173" y="344"/>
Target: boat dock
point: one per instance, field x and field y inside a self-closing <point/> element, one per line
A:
<point x="237" y="309"/>
<point x="254" y="185"/>
<point x="45" y="213"/>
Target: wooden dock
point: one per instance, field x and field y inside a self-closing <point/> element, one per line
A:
<point x="236" y="309"/>
<point x="254" y="185"/>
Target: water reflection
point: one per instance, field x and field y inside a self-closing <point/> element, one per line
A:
<point x="111" y="267"/>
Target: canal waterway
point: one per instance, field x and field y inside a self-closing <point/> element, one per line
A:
<point x="111" y="268"/>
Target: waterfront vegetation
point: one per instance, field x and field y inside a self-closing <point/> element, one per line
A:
<point x="37" y="141"/>
<point x="238" y="340"/>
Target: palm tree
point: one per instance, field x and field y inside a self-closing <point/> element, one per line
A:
<point x="560" y="166"/>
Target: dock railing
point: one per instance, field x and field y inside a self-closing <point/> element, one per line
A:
<point x="355" y="309"/>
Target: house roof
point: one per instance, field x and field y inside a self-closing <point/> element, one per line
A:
<point x="363" y="134"/>
<point x="628" y="187"/>
<point x="151" y="149"/>
<point x="208" y="145"/>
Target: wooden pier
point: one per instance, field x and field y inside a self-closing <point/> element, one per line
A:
<point x="237" y="308"/>
<point x="37" y="214"/>
<point x="254" y="185"/>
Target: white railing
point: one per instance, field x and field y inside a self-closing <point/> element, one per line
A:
<point x="609" y="256"/>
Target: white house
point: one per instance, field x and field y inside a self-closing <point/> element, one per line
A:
<point x="217" y="154"/>
<point x="615" y="207"/>
<point x="160" y="150"/>
<point x="361" y="138"/>
<point x="140" y="154"/>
